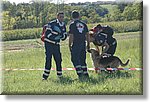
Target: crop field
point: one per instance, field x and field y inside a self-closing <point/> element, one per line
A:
<point x="30" y="54"/>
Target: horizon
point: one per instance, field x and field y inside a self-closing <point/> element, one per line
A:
<point x="56" y="1"/>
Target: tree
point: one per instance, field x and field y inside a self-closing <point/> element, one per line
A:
<point x="138" y="10"/>
<point x="116" y="14"/>
<point x="85" y="19"/>
<point x="7" y="21"/>
<point x="37" y="13"/>
<point x="129" y="13"/>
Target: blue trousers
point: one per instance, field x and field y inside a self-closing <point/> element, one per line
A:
<point x="78" y="58"/>
<point x="52" y="50"/>
<point x="112" y="48"/>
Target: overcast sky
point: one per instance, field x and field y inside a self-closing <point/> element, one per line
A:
<point x="66" y="1"/>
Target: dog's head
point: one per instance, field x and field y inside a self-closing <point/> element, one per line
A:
<point x="93" y="52"/>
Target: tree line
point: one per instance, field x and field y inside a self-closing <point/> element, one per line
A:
<point x="37" y="13"/>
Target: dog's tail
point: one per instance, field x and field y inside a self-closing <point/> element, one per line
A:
<point x="124" y="64"/>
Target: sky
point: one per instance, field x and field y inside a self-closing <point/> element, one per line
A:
<point x="66" y="1"/>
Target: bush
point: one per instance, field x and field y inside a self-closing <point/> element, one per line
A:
<point x="119" y="27"/>
<point x="21" y="34"/>
<point x="123" y="26"/>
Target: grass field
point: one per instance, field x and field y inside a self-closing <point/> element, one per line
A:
<point x="30" y="54"/>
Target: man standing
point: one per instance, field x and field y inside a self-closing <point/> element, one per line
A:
<point x="55" y="31"/>
<point x="78" y="33"/>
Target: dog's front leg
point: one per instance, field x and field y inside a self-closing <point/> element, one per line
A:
<point x="98" y="70"/>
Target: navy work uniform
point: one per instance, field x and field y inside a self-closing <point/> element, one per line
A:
<point x="112" y="46"/>
<point x="78" y="52"/>
<point x="54" y="32"/>
<point x="112" y="42"/>
<point x="107" y="30"/>
<point x="101" y="37"/>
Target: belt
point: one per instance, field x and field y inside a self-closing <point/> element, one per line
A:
<point x="50" y="41"/>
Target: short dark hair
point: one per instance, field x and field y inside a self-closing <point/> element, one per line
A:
<point x="99" y="26"/>
<point x="75" y="14"/>
<point x="60" y="13"/>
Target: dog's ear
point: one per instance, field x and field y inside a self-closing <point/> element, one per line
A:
<point x="89" y="50"/>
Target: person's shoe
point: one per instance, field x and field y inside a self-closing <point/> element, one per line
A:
<point x="86" y="75"/>
<point x="80" y="74"/>
<point x="43" y="79"/>
<point x="60" y="76"/>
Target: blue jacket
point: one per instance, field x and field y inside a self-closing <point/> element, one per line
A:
<point x="55" y="31"/>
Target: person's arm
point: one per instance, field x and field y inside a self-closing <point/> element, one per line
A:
<point x="70" y="41"/>
<point x="88" y="40"/>
<point x="87" y="37"/>
<point x="97" y="48"/>
<point x="106" y="47"/>
<point x="71" y="36"/>
<point x="64" y="34"/>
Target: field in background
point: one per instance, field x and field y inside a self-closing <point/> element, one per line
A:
<point x="30" y="54"/>
<point x="34" y="33"/>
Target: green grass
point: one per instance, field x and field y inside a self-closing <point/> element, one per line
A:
<point x="29" y="82"/>
<point x="31" y="55"/>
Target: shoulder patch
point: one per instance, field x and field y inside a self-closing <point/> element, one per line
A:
<point x="80" y="27"/>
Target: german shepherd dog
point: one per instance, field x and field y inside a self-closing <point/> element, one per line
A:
<point x="107" y="62"/>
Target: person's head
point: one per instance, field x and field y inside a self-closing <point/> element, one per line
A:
<point x="60" y="16"/>
<point x="99" y="27"/>
<point x="75" y="14"/>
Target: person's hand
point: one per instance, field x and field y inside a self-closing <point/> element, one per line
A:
<point x="70" y="48"/>
<point x="105" y="55"/>
<point x="88" y="47"/>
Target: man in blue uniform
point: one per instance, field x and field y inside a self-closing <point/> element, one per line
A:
<point x="103" y="36"/>
<point x="55" y="31"/>
<point x="78" y="34"/>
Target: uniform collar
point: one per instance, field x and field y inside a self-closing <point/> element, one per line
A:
<point x="60" y="24"/>
<point x="76" y="20"/>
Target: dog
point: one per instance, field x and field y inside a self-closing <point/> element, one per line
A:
<point x="107" y="62"/>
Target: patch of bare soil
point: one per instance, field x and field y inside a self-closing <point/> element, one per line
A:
<point x="21" y="47"/>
